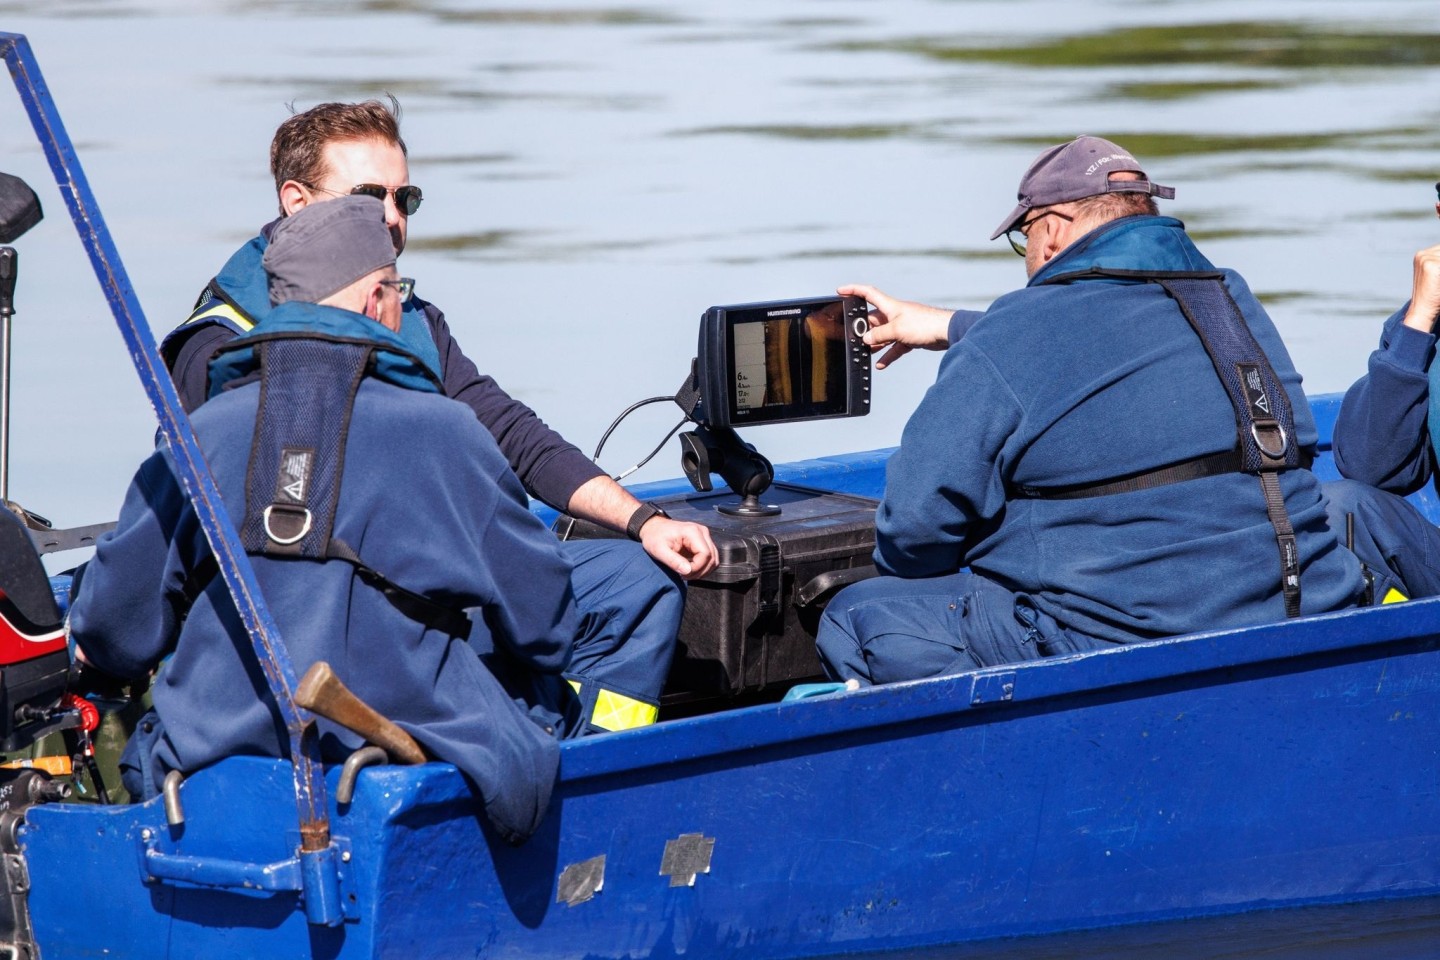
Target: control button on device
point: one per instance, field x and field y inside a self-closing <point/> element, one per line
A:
<point x="860" y="325"/>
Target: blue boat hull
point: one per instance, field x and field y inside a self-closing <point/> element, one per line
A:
<point x="1266" y="789"/>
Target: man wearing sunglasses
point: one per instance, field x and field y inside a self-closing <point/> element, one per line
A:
<point x="630" y="600"/>
<point x="1385" y="432"/>
<point x="1119" y="451"/>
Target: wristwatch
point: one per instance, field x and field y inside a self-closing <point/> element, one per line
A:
<point x="642" y="513"/>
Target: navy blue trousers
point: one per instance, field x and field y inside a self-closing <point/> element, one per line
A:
<point x="890" y="629"/>
<point x="630" y="610"/>
<point x="1392" y="538"/>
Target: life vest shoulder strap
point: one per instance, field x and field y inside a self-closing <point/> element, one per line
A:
<point x="293" y="481"/>
<point x="214" y="307"/>
<point x="1264" y="421"/>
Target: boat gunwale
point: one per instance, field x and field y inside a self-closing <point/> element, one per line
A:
<point x="1034" y="682"/>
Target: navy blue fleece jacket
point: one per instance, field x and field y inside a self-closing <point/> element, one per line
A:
<point x="425" y="498"/>
<point x="1380" y="435"/>
<point x="1082" y="382"/>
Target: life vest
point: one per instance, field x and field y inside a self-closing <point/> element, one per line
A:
<point x="1264" y="422"/>
<point x="313" y="358"/>
<point x="238" y="297"/>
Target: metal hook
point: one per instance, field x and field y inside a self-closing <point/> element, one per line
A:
<point x="357" y="761"/>
<point x="174" y="812"/>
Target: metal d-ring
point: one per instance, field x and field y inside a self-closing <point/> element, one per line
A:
<point x="286" y="541"/>
<point x="1284" y="441"/>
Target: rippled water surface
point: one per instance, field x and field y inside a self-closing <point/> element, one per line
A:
<point x="596" y="175"/>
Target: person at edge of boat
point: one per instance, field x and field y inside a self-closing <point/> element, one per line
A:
<point x="461" y="640"/>
<point x="1076" y="477"/>
<point x="338" y="149"/>
<point x="1385" y="431"/>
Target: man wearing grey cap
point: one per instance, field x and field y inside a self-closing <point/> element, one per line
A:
<point x="387" y="532"/>
<point x="1119" y="451"/>
<point x="335" y="150"/>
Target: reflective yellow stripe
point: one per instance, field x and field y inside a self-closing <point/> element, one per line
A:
<point x="1394" y="596"/>
<point x="615" y="711"/>
<point x="222" y="311"/>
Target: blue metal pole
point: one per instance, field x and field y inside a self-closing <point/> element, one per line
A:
<point x="194" y="473"/>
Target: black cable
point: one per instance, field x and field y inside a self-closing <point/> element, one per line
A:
<point x="625" y="473"/>
<point x="625" y="413"/>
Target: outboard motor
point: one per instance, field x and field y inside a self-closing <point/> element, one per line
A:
<point x="34" y="661"/>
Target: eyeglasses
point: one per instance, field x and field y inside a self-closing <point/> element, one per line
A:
<point x="404" y="286"/>
<point x="1023" y="229"/>
<point x="407" y="198"/>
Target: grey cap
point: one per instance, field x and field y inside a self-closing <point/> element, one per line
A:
<point x="324" y="247"/>
<point x="1074" y="171"/>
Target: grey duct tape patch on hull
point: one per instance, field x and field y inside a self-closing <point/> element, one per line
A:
<point x="581" y="881"/>
<point x="685" y="857"/>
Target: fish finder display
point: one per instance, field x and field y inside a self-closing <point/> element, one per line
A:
<point x="785" y="361"/>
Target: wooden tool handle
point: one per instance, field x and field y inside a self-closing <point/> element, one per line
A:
<point x="321" y="692"/>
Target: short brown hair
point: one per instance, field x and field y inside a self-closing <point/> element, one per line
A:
<point x="297" y="152"/>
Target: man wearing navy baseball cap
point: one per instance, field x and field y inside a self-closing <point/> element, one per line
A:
<point x="1119" y="451"/>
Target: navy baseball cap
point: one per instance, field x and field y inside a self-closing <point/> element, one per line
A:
<point x="1074" y="171"/>
<point x="323" y="248"/>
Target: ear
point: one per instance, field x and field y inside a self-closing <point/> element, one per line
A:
<point x="293" y="197"/>
<point x="373" y="299"/>
<point x="1057" y="238"/>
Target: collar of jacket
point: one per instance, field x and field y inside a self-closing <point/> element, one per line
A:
<point x="1129" y="243"/>
<point x="394" y="363"/>
<point x="243" y="280"/>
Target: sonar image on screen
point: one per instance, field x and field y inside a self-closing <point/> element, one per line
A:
<point x="790" y="364"/>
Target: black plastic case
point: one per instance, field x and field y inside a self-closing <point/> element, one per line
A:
<point x="750" y="625"/>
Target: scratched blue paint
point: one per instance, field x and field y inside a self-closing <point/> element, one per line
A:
<point x="1111" y="797"/>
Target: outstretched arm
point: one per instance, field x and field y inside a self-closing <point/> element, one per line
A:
<point x="900" y="325"/>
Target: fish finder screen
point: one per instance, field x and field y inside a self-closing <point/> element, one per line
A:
<point x="789" y="363"/>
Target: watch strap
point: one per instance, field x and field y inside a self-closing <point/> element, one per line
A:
<point x="638" y="519"/>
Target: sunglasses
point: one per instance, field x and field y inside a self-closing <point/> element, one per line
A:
<point x="404" y="286"/>
<point x="407" y="198"/>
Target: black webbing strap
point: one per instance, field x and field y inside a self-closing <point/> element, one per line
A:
<point x="416" y="606"/>
<point x="1264" y="422"/>
<point x="1284" y="539"/>
<point x="1209" y="465"/>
